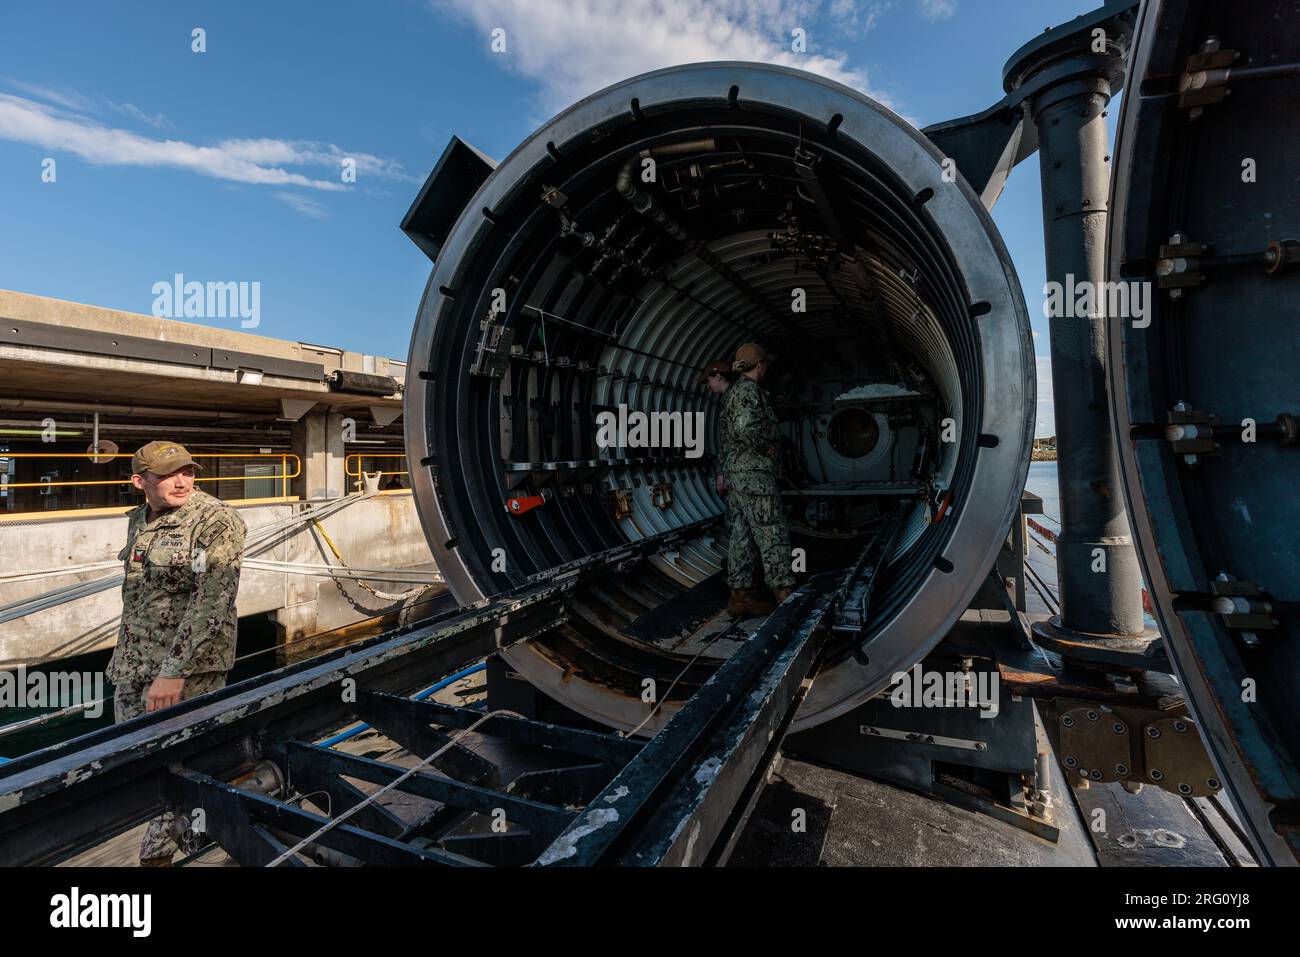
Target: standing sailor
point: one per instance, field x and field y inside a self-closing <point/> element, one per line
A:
<point x="177" y="637"/>
<point x="755" y="517"/>
<point x="717" y="376"/>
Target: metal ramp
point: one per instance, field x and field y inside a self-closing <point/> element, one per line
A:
<point x="245" y="768"/>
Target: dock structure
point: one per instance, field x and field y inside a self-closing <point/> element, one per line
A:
<point x="967" y="671"/>
<point x="283" y="432"/>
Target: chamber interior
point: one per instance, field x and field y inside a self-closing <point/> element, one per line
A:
<point x="608" y="278"/>
<point x="866" y="385"/>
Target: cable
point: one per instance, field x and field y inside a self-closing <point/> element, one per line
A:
<point x="1041" y="586"/>
<point x="418" y="696"/>
<point x="260" y="540"/>
<point x="73" y="709"/>
<point x="395" y="575"/>
<point x="371" y="798"/>
<point x="54" y="572"/>
<point x="660" y="703"/>
<point x="378" y="594"/>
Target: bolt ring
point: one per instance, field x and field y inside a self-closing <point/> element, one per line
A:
<point x="1184" y="789"/>
<point x="1093" y="715"/>
<point x="1118" y="728"/>
<point x="1067" y="721"/>
<point x="1212" y="784"/>
<point x="1153" y="732"/>
<point x="1121" y="769"/>
<point x="1070" y="761"/>
<point x="1157" y="775"/>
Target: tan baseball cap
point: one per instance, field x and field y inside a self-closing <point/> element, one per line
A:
<point x="750" y="355"/>
<point x="161" y="458"/>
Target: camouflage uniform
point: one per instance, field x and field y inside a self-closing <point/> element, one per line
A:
<point x="129" y="701"/>
<point x="178" y="612"/>
<point x="755" y="519"/>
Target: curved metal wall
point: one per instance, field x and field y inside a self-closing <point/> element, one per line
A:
<point x="905" y="219"/>
<point x="1205" y="207"/>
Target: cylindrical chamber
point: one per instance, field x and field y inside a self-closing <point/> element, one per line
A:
<point x="656" y="226"/>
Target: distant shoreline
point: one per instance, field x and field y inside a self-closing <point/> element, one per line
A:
<point x="1044" y="455"/>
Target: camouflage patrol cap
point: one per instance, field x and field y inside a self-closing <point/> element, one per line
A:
<point x="161" y="458"/>
<point x="750" y="355"/>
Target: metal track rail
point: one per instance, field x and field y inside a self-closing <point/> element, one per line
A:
<point x="676" y="803"/>
<point x="853" y="597"/>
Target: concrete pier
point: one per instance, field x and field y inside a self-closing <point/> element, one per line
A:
<point x="277" y="426"/>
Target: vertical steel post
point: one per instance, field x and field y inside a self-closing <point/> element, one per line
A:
<point x="1097" y="566"/>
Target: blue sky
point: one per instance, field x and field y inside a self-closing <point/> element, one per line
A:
<point x="225" y="165"/>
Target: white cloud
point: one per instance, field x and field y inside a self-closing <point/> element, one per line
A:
<point x="305" y="153"/>
<point x="849" y="17"/>
<point x="874" y="13"/>
<point x="72" y="100"/>
<point x="301" y="204"/>
<point x="68" y="99"/>
<point x="157" y="120"/>
<point x="1045" y="423"/>
<point x="573" y="48"/>
<point x="938" y="9"/>
<point x="258" y="161"/>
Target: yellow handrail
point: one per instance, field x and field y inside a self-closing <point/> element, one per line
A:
<point x="282" y="456"/>
<point x="367" y="455"/>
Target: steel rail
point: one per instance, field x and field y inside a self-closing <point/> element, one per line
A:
<point x="686" y="797"/>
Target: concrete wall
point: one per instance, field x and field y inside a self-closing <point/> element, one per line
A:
<point x="72" y="316"/>
<point x="380" y="532"/>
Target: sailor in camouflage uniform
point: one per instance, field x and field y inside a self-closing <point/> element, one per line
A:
<point x="717" y="376"/>
<point x="755" y="518"/>
<point x="177" y="637"/>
